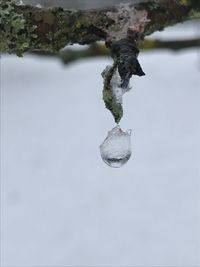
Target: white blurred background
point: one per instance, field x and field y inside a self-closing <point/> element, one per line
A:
<point x="60" y="204"/>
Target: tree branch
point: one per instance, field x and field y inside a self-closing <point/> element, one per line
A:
<point x="173" y="45"/>
<point x="68" y="55"/>
<point x="26" y="28"/>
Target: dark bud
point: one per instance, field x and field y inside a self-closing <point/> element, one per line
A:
<point x="127" y="68"/>
<point x="125" y="55"/>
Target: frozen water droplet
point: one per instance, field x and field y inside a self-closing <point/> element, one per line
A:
<point x="116" y="148"/>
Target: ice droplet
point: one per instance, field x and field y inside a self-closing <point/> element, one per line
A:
<point x="116" y="148"/>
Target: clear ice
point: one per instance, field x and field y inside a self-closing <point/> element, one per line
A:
<point x="116" y="88"/>
<point x="116" y="148"/>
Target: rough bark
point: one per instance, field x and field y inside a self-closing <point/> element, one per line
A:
<point x="26" y="28"/>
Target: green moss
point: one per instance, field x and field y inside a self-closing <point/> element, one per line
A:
<point x="15" y="34"/>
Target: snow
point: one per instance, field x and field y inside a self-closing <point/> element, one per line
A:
<point x="60" y="204"/>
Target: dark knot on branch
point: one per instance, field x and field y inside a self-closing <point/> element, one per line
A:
<point x="125" y="53"/>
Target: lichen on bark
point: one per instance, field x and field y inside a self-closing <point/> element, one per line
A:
<point x="15" y="32"/>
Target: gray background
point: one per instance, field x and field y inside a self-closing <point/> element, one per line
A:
<point x="60" y="204"/>
<point x="80" y="4"/>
